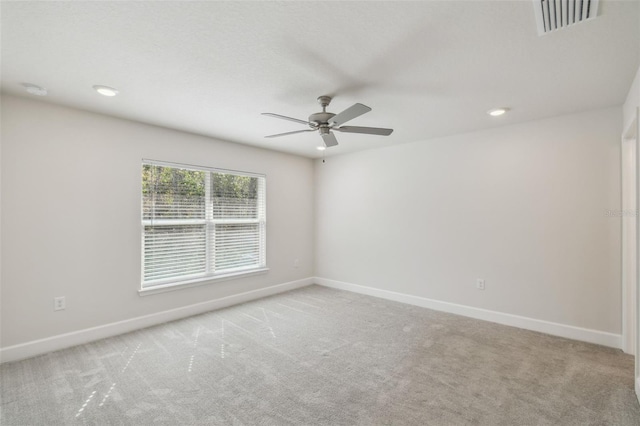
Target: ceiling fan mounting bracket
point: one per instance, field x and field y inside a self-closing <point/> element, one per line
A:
<point x="324" y="101"/>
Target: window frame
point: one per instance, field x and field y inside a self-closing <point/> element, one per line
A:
<point x="209" y="222"/>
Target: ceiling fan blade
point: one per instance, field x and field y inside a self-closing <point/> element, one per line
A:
<point x="290" y="133"/>
<point x="284" y="117"/>
<point x="356" y="110"/>
<point x="368" y="130"/>
<point x="329" y="139"/>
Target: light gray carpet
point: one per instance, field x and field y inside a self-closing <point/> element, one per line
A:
<point x="327" y="357"/>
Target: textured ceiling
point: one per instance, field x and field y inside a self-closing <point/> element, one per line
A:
<point x="426" y="68"/>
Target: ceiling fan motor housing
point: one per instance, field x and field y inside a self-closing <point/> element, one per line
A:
<point x="321" y="118"/>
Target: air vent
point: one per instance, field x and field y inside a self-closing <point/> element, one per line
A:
<point x="552" y="15"/>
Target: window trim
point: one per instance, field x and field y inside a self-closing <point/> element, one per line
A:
<point x="206" y="278"/>
<point x="163" y="288"/>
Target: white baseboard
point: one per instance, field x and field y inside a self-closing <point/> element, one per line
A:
<point x="62" y="341"/>
<point x="562" y="330"/>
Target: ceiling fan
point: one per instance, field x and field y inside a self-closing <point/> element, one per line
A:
<point x="324" y="122"/>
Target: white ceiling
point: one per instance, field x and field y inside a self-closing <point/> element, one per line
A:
<point x="426" y="68"/>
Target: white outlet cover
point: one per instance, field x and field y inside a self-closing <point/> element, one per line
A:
<point x="59" y="303"/>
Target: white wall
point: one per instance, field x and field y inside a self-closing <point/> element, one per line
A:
<point x="522" y="206"/>
<point x="71" y="217"/>
<point x="632" y="103"/>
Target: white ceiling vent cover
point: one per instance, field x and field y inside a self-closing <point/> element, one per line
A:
<point x="552" y="15"/>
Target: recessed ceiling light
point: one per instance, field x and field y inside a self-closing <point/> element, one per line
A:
<point x="34" y="90"/>
<point x="105" y="90"/>
<point x="321" y="148"/>
<point x="497" y="111"/>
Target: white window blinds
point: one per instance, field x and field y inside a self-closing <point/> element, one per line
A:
<point x="200" y="223"/>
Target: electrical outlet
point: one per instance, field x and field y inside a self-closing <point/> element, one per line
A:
<point x="296" y="263"/>
<point x="59" y="303"/>
<point x="480" y="284"/>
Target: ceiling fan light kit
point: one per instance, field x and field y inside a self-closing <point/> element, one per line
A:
<point x="326" y="122"/>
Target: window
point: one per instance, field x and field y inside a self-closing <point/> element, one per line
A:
<point x="200" y="223"/>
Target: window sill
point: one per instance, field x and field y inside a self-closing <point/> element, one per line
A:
<point x="198" y="282"/>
